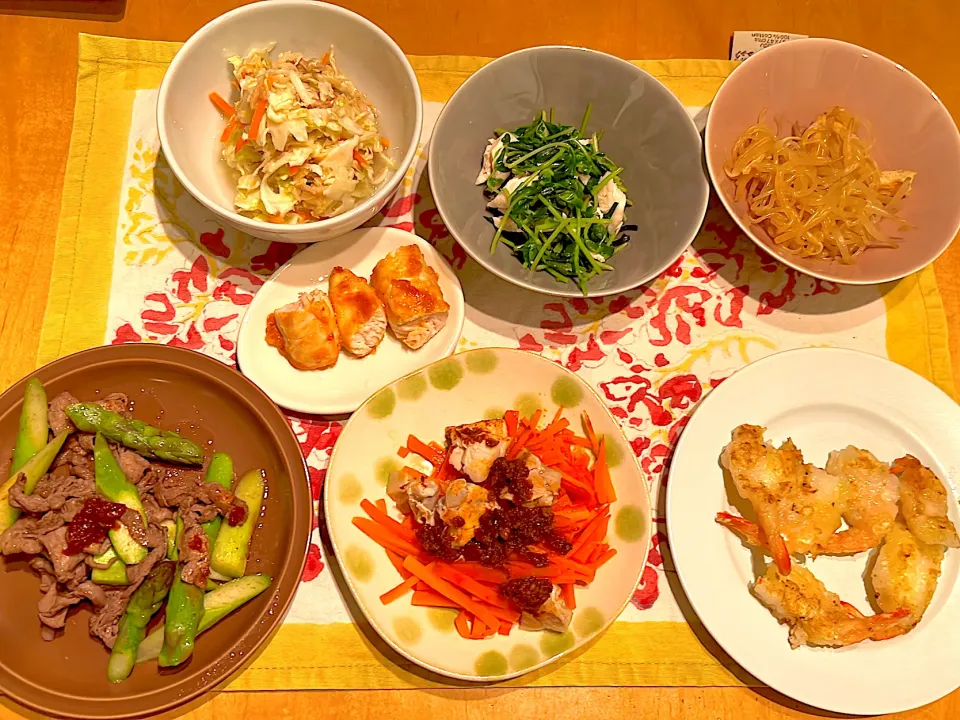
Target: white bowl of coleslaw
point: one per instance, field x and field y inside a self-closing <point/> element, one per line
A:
<point x="291" y="120"/>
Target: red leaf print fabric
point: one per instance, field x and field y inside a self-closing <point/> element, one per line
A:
<point x="651" y="353"/>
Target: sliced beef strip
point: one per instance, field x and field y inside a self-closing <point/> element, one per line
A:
<point x="175" y="490"/>
<point x="133" y="466"/>
<point x="223" y="499"/>
<point x="51" y="492"/>
<point x="75" y="459"/>
<point x="44" y="569"/>
<point x="116" y="402"/>
<point x="85" y="442"/>
<point x="71" y="508"/>
<point x="146" y="484"/>
<point x="134" y="523"/>
<point x="56" y="603"/>
<point x="63" y="565"/>
<point x="155" y="513"/>
<point x="195" y="556"/>
<point x="136" y="573"/>
<point x="55" y="412"/>
<point x="103" y="623"/>
<point x="24" y="535"/>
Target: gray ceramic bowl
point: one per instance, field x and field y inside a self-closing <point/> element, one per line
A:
<point x="645" y="129"/>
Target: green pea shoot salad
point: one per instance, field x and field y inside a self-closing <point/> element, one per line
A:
<point x="555" y="199"/>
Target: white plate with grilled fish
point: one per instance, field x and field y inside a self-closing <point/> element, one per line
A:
<point x="825" y="451"/>
<point x="347" y="316"/>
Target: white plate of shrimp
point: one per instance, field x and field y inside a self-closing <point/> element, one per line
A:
<point x="321" y="367"/>
<point x="812" y="513"/>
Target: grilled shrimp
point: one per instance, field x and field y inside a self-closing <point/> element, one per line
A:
<point x="797" y="505"/>
<point x="906" y="573"/>
<point x="817" y="616"/>
<point x="923" y="500"/>
<point x="869" y="495"/>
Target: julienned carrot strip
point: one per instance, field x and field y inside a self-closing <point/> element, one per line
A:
<point x="382" y="536"/>
<point x="397" y="562"/>
<point x="505" y="628"/>
<point x="222" y="105"/>
<point x="512" y="418"/>
<point x="399" y="591"/>
<point x="432" y="455"/>
<point x="505" y="614"/>
<point x="429" y="598"/>
<point x="403" y="452"/>
<point x="588" y="429"/>
<point x="381" y="518"/>
<point x="602" y="560"/>
<point x="595" y="537"/>
<point x="601" y="476"/>
<point x="481" y="573"/>
<point x="586" y="533"/>
<point x="462" y="623"/>
<point x="228" y="130"/>
<point x="582" y="442"/>
<point x="569" y="598"/>
<point x="481" y="592"/>
<point x="381" y="504"/>
<point x="478" y="630"/>
<point x="480" y="609"/>
<point x="258" y="114"/>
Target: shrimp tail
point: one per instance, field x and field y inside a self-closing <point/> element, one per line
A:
<point x="848" y="542"/>
<point x="749" y="531"/>
<point x="851" y="610"/>
<point x="889" y="625"/>
<point x="778" y="548"/>
<point x="755" y="535"/>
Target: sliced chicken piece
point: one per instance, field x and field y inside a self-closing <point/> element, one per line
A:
<point x="490" y="155"/>
<point x="414" y="494"/>
<point x="546" y="482"/>
<point x="474" y="446"/>
<point x="553" y="615"/>
<point x="361" y="319"/>
<point x="305" y="332"/>
<point x="611" y="195"/>
<point x="508" y="226"/>
<point x="410" y="292"/>
<point x="462" y="507"/>
<point x="502" y="199"/>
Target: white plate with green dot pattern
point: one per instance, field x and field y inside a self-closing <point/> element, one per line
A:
<point x="460" y="389"/>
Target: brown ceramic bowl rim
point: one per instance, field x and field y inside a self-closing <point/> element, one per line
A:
<point x="286" y="579"/>
<point x="717" y="175"/>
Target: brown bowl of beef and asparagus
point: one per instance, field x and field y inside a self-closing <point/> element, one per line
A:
<point x="153" y="499"/>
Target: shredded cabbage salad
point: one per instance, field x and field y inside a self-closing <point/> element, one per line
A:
<point x="305" y="143"/>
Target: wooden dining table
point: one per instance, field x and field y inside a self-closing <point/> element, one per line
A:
<point x="37" y="81"/>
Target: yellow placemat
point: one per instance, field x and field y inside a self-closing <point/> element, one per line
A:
<point x="137" y="260"/>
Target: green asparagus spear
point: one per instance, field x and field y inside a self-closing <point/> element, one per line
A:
<point x="217" y="604"/>
<point x="138" y="436"/>
<point x="116" y="574"/>
<point x="141" y="606"/>
<point x="229" y="554"/>
<point x="219" y="471"/>
<point x="114" y="486"/>
<point x="32" y="435"/>
<point x="33" y="470"/>
<point x="184" y="612"/>
<point x="170" y="527"/>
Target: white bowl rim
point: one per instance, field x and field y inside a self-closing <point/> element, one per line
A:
<point x="251" y="225"/>
<point x="728" y="204"/>
<point x="560" y="291"/>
